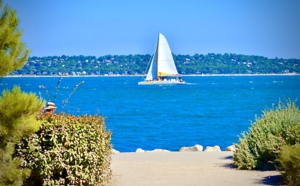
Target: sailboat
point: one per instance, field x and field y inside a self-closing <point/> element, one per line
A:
<point x="162" y="69"/>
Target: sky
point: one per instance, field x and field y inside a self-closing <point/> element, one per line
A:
<point x="269" y="28"/>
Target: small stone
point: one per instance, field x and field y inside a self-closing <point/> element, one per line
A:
<point x="231" y="148"/>
<point x="139" y="150"/>
<point x="114" y="151"/>
<point x="215" y="148"/>
<point x="159" y="150"/>
<point x="196" y="148"/>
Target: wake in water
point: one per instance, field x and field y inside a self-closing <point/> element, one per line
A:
<point x="191" y="83"/>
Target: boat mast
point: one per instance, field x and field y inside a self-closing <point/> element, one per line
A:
<point x="157" y="48"/>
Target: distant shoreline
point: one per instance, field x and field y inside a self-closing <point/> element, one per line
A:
<point x="139" y="75"/>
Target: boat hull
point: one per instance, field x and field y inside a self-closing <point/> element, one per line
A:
<point x="161" y="83"/>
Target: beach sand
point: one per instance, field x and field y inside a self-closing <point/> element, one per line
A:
<point x="184" y="168"/>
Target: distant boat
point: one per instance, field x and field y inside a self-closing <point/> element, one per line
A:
<point x="162" y="68"/>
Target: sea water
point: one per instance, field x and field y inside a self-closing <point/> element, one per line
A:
<point x="209" y="110"/>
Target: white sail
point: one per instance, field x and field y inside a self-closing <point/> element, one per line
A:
<point x="162" y="65"/>
<point x="151" y="72"/>
<point x="166" y="65"/>
<point x="151" y="75"/>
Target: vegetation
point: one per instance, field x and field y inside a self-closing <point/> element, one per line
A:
<point x="261" y="146"/>
<point x="290" y="161"/>
<point x="13" y="53"/>
<point x="76" y="150"/>
<point x="17" y="109"/>
<point x="68" y="150"/>
<point x="65" y="150"/>
<point x="137" y="64"/>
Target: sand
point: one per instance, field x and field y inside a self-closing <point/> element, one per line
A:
<point x="184" y="168"/>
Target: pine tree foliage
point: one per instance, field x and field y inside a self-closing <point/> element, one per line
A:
<point x="13" y="52"/>
<point x="18" y="111"/>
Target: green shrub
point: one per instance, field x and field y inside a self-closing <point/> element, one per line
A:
<point x="290" y="161"/>
<point x="260" y="147"/>
<point x="18" y="111"/>
<point x="68" y="150"/>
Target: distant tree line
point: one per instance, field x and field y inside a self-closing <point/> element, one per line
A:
<point x="137" y="64"/>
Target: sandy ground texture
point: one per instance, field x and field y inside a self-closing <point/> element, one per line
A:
<point x="184" y="169"/>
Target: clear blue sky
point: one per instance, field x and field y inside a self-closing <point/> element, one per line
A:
<point x="269" y="28"/>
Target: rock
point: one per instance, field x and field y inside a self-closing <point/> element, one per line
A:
<point x="114" y="151"/>
<point x="215" y="148"/>
<point x="140" y="150"/>
<point x="231" y="148"/>
<point x="159" y="150"/>
<point x="196" y="148"/>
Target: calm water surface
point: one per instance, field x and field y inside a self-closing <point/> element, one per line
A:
<point x="210" y="110"/>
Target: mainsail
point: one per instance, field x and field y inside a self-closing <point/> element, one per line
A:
<point x="166" y="65"/>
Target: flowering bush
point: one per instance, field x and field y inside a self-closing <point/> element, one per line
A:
<point x="68" y="150"/>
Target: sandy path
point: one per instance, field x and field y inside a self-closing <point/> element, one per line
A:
<point x="184" y="168"/>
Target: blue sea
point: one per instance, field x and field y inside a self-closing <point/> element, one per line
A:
<point x="209" y="110"/>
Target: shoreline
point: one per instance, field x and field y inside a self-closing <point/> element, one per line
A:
<point x="195" y="148"/>
<point x="140" y="75"/>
